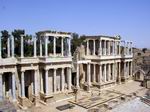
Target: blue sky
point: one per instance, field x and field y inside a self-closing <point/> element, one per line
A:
<point x="128" y="18"/>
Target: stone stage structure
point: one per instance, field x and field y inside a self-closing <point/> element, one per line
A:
<point x="101" y="62"/>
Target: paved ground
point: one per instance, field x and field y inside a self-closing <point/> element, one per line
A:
<point x="108" y="99"/>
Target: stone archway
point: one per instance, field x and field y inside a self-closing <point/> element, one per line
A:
<point x="139" y="75"/>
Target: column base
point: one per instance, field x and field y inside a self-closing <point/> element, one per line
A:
<point x="46" y="98"/>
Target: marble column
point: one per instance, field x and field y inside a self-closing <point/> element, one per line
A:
<point x="1" y="87"/>
<point x="119" y="70"/>
<point x="22" y="84"/>
<point x="69" y="46"/>
<point x="94" y="76"/>
<point x="93" y="47"/>
<point x="34" y="46"/>
<point x="113" y="48"/>
<point x="105" y="50"/>
<point x="125" y="70"/>
<point x="131" y="68"/>
<point x="104" y="72"/>
<point x="62" y="47"/>
<point x="87" y="47"/>
<point x="100" y="48"/>
<point x="22" y="47"/>
<point x="108" y="47"/>
<point x="8" y="47"/>
<point x="77" y="76"/>
<point x="119" y="48"/>
<point x="109" y="72"/>
<point x="46" y="82"/>
<point x="54" y="80"/>
<point x="12" y="46"/>
<point x="89" y="74"/>
<point x="100" y="74"/>
<point x="13" y="86"/>
<point x="41" y="48"/>
<point x="46" y="46"/>
<point x="36" y="82"/>
<point x="62" y="79"/>
<point x="131" y="47"/>
<point x="69" y="78"/>
<point x="54" y="46"/>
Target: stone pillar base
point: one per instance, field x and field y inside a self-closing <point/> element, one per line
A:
<point x="46" y="98"/>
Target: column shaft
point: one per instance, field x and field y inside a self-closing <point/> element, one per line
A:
<point x="13" y="86"/>
<point x="77" y="76"/>
<point x="1" y="87"/>
<point x="62" y="79"/>
<point x="105" y="50"/>
<point x="54" y="46"/>
<point x="12" y="46"/>
<point x="87" y="47"/>
<point x="119" y="69"/>
<point x="54" y="80"/>
<point x="104" y="72"/>
<point x="69" y="46"/>
<point x="41" y="52"/>
<point x="8" y="47"/>
<point x="36" y="82"/>
<point x="62" y="46"/>
<point x="22" y="47"/>
<point x="131" y="69"/>
<point x="100" y="48"/>
<point x="100" y="73"/>
<point x="22" y="85"/>
<point x="108" y="47"/>
<point x="69" y="78"/>
<point x="93" y="47"/>
<point x="34" y="46"/>
<point x="89" y="74"/>
<point x="46" y="83"/>
<point x="109" y="72"/>
<point x="46" y="46"/>
<point x="94" y="76"/>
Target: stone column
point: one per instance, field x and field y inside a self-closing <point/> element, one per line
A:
<point x="105" y="50"/>
<point x="62" y="79"/>
<point x="69" y="78"/>
<point x="62" y="46"/>
<point x="34" y="46"/>
<point x="89" y="74"/>
<point x="54" y="80"/>
<point x="100" y="74"/>
<point x="124" y="69"/>
<point x="69" y="46"/>
<point x="109" y="72"/>
<point x="1" y="86"/>
<point x="119" y="69"/>
<point x="22" y="84"/>
<point x="36" y="82"/>
<point x="46" y="82"/>
<point x="108" y="47"/>
<point x="22" y="47"/>
<point x="93" y="47"/>
<point x="131" y="47"/>
<point x="113" y="48"/>
<point x="77" y="76"/>
<point x="41" y="48"/>
<point x="41" y="81"/>
<point x="100" y="48"/>
<point x="12" y="46"/>
<point x="131" y="69"/>
<point x="94" y="73"/>
<point x="0" y="46"/>
<point x="13" y="86"/>
<point x="104" y="72"/>
<point x="87" y="47"/>
<point x="46" y="46"/>
<point x="54" y="46"/>
<point x="8" y="47"/>
<point x="119" y="48"/>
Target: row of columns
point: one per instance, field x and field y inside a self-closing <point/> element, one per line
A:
<point x="54" y="46"/>
<point x="127" y="48"/>
<point x="106" y="50"/>
<point x="128" y="69"/>
<point x="10" y="47"/>
<point x="62" y="80"/>
<point x="12" y="84"/>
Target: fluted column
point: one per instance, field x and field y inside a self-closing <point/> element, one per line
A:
<point x="54" y="46"/>
<point x="109" y="72"/>
<point x="77" y="76"/>
<point x="89" y="74"/>
<point x="34" y="46"/>
<point x="69" y="78"/>
<point x="62" y="79"/>
<point x="8" y="47"/>
<point x="13" y="86"/>
<point x="36" y="82"/>
<point x="93" y="47"/>
<point x="100" y="48"/>
<point x="12" y="46"/>
<point x="1" y="87"/>
<point x="69" y="46"/>
<point x="22" y="84"/>
<point x="100" y="74"/>
<point x="94" y="73"/>
<point x="46" y="46"/>
<point x="22" y="47"/>
<point x="54" y="80"/>
<point x="46" y="82"/>
<point x="87" y="47"/>
<point x="41" y="52"/>
<point x="104" y="72"/>
<point x="62" y="46"/>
